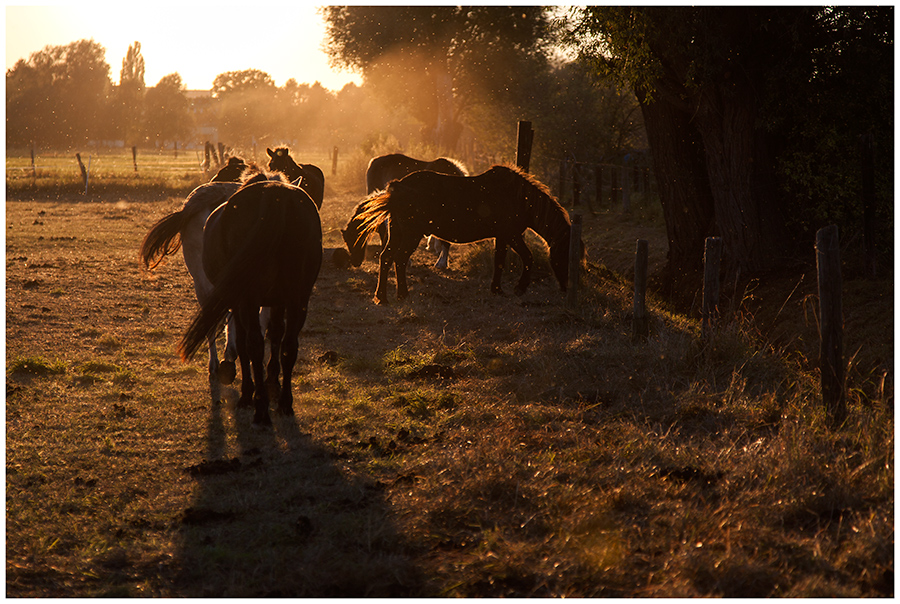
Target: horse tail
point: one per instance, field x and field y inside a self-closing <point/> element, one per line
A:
<point x="239" y="275"/>
<point x="163" y="239"/>
<point x="373" y="211"/>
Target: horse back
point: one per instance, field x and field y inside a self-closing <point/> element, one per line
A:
<point x="267" y="239"/>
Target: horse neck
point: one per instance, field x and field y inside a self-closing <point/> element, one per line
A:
<point x="548" y="218"/>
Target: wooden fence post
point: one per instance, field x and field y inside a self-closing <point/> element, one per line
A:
<point x="640" y="325"/>
<point x="712" y="257"/>
<point x="134" y="157"/>
<point x="334" y="159"/>
<point x="84" y="173"/>
<point x="524" y="140"/>
<point x="831" y="328"/>
<point x="33" y="167"/>
<point x="221" y="153"/>
<point x="574" y="262"/>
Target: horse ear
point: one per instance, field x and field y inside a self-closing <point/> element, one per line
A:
<point x="270" y="152"/>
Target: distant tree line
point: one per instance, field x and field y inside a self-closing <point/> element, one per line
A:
<point x="63" y="97"/>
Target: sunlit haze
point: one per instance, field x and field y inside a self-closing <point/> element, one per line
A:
<point x="198" y="40"/>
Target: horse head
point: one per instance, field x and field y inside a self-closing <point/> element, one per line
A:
<point x="356" y="244"/>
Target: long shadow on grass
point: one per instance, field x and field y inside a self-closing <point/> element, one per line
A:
<point x="283" y="518"/>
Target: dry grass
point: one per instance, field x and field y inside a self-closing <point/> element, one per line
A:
<point x="457" y="444"/>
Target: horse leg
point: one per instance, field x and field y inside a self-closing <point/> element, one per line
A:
<point x="249" y="317"/>
<point x="518" y="244"/>
<point x="404" y="253"/>
<point x="289" y="348"/>
<point x="443" y="248"/>
<point x="499" y="259"/>
<point x="274" y="335"/>
<point x="226" y="370"/>
<point x="243" y="353"/>
<point x="384" y="270"/>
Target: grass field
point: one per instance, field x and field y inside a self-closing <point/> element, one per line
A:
<point x="455" y="444"/>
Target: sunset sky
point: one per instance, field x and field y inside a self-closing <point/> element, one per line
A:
<point x="199" y="40"/>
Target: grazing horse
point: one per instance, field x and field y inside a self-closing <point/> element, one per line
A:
<point x="311" y="178"/>
<point x="184" y="229"/>
<point x="501" y="203"/>
<point x="384" y="169"/>
<point x="263" y="248"/>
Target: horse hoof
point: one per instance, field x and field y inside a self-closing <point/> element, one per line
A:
<point x="286" y="411"/>
<point x="380" y="301"/>
<point x="226" y="372"/>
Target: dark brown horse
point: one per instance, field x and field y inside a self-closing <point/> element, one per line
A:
<point x="263" y="248"/>
<point x="385" y="168"/>
<point x="231" y="171"/>
<point x="311" y="178"/>
<point x="501" y="204"/>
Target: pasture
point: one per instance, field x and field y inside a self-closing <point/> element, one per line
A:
<point x="457" y="443"/>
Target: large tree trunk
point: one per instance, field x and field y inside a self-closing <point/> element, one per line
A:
<point x="678" y="159"/>
<point x="741" y="181"/>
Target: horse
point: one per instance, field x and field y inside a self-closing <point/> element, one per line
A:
<point x="262" y="248"/>
<point x="311" y="178"/>
<point x="232" y="171"/>
<point x="385" y="168"/>
<point x="184" y="229"/>
<point x="501" y="203"/>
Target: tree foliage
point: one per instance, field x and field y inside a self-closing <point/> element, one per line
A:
<point x="167" y="111"/>
<point x="58" y="95"/>
<point x="438" y="61"/>
<point x="768" y="99"/>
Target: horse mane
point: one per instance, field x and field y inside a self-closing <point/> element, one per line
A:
<point x="459" y="165"/>
<point x="249" y="178"/>
<point x="548" y="216"/>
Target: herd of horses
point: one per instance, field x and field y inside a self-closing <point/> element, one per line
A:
<point x="252" y="242"/>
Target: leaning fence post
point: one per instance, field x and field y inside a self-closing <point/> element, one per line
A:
<point x="574" y="262"/>
<point x="831" y="328"/>
<point x="712" y="256"/>
<point x="640" y="326"/>
<point x="84" y="174"/>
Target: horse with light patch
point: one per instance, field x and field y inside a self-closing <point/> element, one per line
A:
<point x="184" y="229"/>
